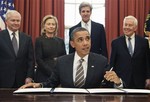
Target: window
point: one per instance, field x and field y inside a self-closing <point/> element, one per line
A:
<point x="72" y="16"/>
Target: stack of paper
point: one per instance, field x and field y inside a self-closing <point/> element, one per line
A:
<point x="80" y="90"/>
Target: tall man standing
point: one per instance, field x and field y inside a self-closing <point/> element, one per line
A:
<point x="16" y="54"/>
<point x="96" y="30"/>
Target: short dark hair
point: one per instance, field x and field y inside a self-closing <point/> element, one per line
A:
<point x="78" y="29"/>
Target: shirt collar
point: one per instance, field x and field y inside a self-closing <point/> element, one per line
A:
<point x="83" y="23"/>
<point x="77" y="57"/>
<point x="133" y="35"/>
<point x="10" y="32"/>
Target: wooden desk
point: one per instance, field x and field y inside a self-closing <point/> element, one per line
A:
<point x="6" y="95"/>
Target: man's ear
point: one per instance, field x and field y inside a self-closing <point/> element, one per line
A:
<point x="72" y="43"/>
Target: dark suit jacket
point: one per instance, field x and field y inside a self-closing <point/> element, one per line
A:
<point x="47" y="50"/>
<point x="63" y="74"/>
<point x="133" y="69"/>
<point x="15" y="68"/>
<point x="98" y="38"/>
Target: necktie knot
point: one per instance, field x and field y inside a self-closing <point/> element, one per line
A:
<point x="129" y="39"/>
<point x="81" y="60"/>
<point x="13" y="33"/>
<point x="86" y="24"/>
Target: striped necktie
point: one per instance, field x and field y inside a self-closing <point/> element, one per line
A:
<point x="79" y="78"/>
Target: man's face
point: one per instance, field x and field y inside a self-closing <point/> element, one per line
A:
<point x="13" y="22"/>
<point x="82" y="43"/>
<point x="129" y="27"/>
<point x="85" y="14"/>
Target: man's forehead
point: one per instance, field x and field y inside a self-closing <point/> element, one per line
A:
<point x="82" y="34"/>
<point x="83" y="37"/>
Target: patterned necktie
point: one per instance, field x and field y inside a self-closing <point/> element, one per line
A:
<point x="79" y="79"/>
<point x="130" y="46"/>
<point x="14" y="43"/>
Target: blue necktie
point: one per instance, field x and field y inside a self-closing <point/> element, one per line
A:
<point x="130" y="46"/>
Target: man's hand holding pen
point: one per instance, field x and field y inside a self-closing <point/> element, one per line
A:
<point x="112" y="77"/>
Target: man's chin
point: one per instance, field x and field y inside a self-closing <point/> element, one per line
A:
<point x="85" y="53"/>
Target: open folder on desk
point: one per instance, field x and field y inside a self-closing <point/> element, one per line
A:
<point x="80" y="90"/>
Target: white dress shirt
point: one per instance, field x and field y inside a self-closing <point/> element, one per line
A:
<point x="88" y="25"/>
<point x="16" y="35"/>
<point x="76" y="63"/>
<point x="132" y="41"/>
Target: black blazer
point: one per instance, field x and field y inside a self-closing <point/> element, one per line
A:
<point x="47" y="50"/>
<point x="15" y="68"/>
<point x="133" y="69"/>
<point x="98" y="38"/>
<point x="63" y="73"/>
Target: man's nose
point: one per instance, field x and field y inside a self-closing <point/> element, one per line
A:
<point x="85" y="42"/>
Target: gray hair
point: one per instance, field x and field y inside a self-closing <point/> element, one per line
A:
<point x="85" y="4"/>
<point x="131" y="17"/>
<point x="10" y="12"/>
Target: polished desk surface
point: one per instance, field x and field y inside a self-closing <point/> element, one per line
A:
<point x="6" y="95"/>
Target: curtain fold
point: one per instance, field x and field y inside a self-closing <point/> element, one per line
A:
<point x="32" y="12"/>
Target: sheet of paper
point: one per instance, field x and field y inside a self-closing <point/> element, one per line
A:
<point x="80" y="90"/>
<point x="105" y="90"/>
<point x="70" y="90"/>
<point x="32" y="90"/>
<point x="137" y="91"/>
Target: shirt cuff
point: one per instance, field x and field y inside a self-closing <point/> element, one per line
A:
<point x="120" y="85"/>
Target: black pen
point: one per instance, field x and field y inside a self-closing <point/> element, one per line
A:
<point x="109" y="71"/>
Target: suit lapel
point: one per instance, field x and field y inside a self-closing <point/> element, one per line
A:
<point x="70" y="69"/>
<point x="21" y="43"/>
<point x="8" y="41"/>
<point x="136" y="45"/>
<point x="123" y="39"/>
<point x="90" y="70"/>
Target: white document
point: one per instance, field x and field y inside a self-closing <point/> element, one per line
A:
<point x="70" y="90"/>
<point x="105" y="90"/>
<point x="80" y="90"/>
<point x="144" y="91"/>
<point x="32" y="90"/>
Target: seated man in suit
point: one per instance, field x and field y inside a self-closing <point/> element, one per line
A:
<point x="91" y="70"/>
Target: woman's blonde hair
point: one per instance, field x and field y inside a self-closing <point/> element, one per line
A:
<point x="44" y="21"/>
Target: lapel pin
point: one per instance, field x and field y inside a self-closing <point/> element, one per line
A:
<point x="92" y="66"/>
